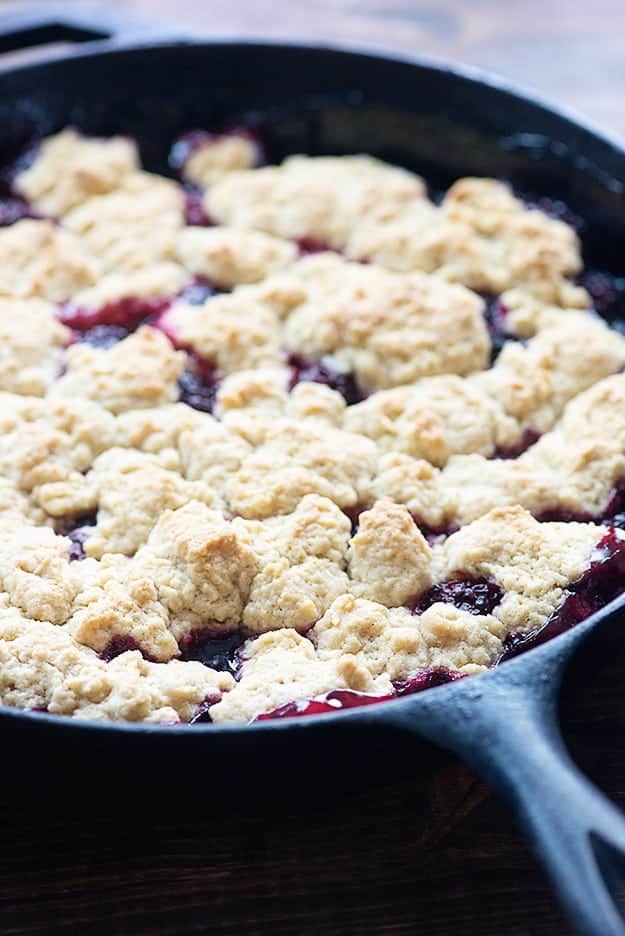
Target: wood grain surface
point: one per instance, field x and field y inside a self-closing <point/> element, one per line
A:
<point x="437" y="855"/>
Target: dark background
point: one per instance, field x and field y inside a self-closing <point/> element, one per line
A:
<point x="437" y="855"/>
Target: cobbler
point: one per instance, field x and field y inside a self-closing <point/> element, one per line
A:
<point x="286" y="439"/>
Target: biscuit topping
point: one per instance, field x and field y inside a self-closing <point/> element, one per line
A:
<point x="286" y="439"/>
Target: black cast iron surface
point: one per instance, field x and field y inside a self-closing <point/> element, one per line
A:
<point x="443" y="124"/>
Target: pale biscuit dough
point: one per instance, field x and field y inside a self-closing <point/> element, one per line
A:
<point x="532" y="562"/>
<point x="140" y="371"/>
<point x="116" y="600"/>
<point x="282" y="666"/>
<point x="16" y="510"/>
<point x="394" y="643"/>
<point x="217" y="155"/>
<point x="229" y="257"/>
<point x="389" y="559"/>
<point x="31" y="345"/>
<point x="527" y="388"/>
<point x="298" y="459"/>
<point x="316" y="198"/>
<point x="134" y="225"/>
<point x="231" y="332"/>
<point x="302" y="558"/>
<point x="42" y="667"/>
<point x="433" y="419"/>
<point x="132" y="491"/>
<point x="35" y="574"/>
<point x="69" y="168"/>
<point x="46" y="446"/>
<point x="287" y="517"/>
<point x="159" y="281"/>
<point x="201" y="568"/>
<point x="481" y="235"/>
<point x="573" y="468"/>
<point x="39" y="259"/>
<point x="386" y="328"/>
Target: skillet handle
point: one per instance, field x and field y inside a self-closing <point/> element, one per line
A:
<point x="46" y="23"/>
<point x="508" y="732"/>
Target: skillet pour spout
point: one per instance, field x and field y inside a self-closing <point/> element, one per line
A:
<point x="505" y="726"/>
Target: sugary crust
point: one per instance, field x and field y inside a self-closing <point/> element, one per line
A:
<point x="282" y="666"/>
<point x="39" y="259"/>
<point x="386" y="328"/>
<point x="69" y="168"/>
<point x="158" y="281"/>
<point x="573" y="468"/>
<point x="288" y="518"/>
<point x="394" y="644"/>
<point x="116" y="600"/>
<point x="31" y="345"/>
<point x="131" y="492"/>
<point x="527" y="388"/>
<point x="42" y="667"/>
<point x="532" y="383"/>
<point x="481" y="235"/>
<point x="389" y="559"/>
<point x="433" y="419"/>
<point x="16" y="510"/>
<point x="35" y="574"/>
<point x="140" y="371"/>
<point x="229" y="257"/>
<point x="532" y="562"/>
<point x="298" y="459"/>
<point x="218" y="155"/>
<point x="320" y="198"/>
<point x="46" y="446"/>
<point x="201" y="568"/>
<point x="134" y="225"/>
<point x="232" y="332"/>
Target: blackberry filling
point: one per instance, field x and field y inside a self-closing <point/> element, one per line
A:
<point x="528" y="438"/>
<point x="309" y="245"/>
<point x="198" y="385"/>
<point x="433" y="534"/>
<point x="14" y="208"/>
<point x="565" y="516"/>
<point x="608" y="296"/>
<point x="354" y="515"/>
<point x="219" y="653"/>
<point x="76" y="529"/>
<point x="202" y="715"/>
<point x="197" y="292"/>
<point x="119" y="644"/>
<point x="496" y="315"/>
<point x="102" y="336"/>
<point x="303" y="368"/>
<point x="477" y="596"/>
<point x="426" y="679"/>
<point x="612" y="515"/>
<point x="194" y="212"/>
<point x="127" y="313"/>
<point x="603" y="581"/>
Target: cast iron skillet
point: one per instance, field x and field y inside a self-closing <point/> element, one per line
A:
<point x="441" y="121"/>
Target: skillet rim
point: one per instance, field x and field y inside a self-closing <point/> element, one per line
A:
<point x="563" y="644"/>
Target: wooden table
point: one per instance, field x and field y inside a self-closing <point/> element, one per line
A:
<point x="437" y="855"/>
